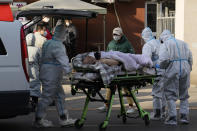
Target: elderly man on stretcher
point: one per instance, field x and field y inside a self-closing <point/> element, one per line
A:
<point x="107" y="65"/>
<point x="96" y="70"/>
<point x="125" y="47"/>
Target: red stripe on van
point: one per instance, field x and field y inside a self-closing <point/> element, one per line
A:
<point x="24" y="53"/>
<point x="6" y="13"/>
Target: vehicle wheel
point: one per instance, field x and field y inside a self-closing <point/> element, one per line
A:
<point x="73" y="92"/>
<point x="77" y="125"/>
<point x="101" y="128"/>
<point x="146" y="120"/>
<point x="124" y="119"/>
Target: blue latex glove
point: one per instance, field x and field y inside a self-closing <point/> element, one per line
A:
<point x="157" y="66"/>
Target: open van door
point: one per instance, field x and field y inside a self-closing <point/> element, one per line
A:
<point x="59" y="14"/>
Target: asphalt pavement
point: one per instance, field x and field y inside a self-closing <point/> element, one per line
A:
<point x="94" y="118"/>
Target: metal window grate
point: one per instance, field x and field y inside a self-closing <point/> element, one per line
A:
<point x="165" y="23"/>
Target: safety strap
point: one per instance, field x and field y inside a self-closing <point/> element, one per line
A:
<point x="179" y="60"/>
<point x="51" y="63"/>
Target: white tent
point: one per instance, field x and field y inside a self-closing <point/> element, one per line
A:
<point x="65" y="4"/>
<point x="68" y="5"/>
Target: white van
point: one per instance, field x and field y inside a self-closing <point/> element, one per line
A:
<point x="14" y="80"/>
<point x="14" y="86"/>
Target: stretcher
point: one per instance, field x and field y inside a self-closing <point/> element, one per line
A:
<point x="132" y="81"/>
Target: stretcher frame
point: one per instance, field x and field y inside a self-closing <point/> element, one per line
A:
<point x="132" y="82"/>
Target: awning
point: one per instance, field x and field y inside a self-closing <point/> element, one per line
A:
<point x="65" y="4"/>
<point x="58" y="12"/>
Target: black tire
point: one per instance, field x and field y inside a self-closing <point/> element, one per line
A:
<point x="77" y="125"/>
<point x="146" y="120"/>
<point x="124" y="119"/>
<point x="101" y="127"/>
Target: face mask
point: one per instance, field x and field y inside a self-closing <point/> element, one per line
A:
<point x="116" y="38"/>
<point x="45" y="34"/>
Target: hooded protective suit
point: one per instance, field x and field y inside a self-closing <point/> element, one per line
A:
<point x="34" y="59"/>
<point x="39" y="40"/>
<point x="151" y="49"/>
<point x="176" y="58"/>
<point x="53" y="62"/>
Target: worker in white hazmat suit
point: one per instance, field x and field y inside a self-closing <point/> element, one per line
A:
<point x="34" y="59"/>
<point x="40" y="34"/>
<point x="176" y="58"/>
<point x="54" y="62"/>
<point x="151" y="49"/>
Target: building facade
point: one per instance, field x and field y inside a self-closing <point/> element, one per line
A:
<point x="186" y="27"/>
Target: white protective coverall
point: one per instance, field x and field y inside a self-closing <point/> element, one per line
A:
<point x="151" y="49"/>
<point x="39" y="40"/>
<point x="176" y="58"/>
<point x="34" y="59"/>
<point x="53" y="62"/>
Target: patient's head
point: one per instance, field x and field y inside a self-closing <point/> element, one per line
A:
<point x="89" y="60"/>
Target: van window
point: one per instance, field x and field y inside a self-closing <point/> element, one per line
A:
<point x="2" y="48"/>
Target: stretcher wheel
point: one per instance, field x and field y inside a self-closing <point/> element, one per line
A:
<point x="73" y="92"/>
<point x="102" y="127"/>
<point x="78" y="125"/>
<point x="146" y="120"/>
<point x="124" y="119"/>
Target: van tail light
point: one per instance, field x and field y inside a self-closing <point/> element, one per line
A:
<point x="24" y="54"/>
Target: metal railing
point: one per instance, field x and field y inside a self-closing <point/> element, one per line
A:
<point x="165" y="23"/>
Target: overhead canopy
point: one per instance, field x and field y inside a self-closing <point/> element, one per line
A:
<point x="64" y="4"/>
<point x="58" y="12"/>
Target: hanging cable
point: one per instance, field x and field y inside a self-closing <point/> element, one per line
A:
<point x="117" y="14"/>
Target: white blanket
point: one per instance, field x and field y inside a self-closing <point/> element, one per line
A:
<point x="131" y="62"/>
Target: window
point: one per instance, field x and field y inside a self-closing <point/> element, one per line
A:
<point x="160" y="16"/>
<point x="2" y="48"/>
<point x="151" y="15"/>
